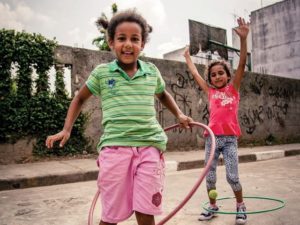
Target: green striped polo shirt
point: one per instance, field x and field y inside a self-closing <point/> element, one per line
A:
<point x="128" y="112"/>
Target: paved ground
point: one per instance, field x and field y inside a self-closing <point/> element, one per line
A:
<point x="68" y="204"/>
<point x="15" y="176"/>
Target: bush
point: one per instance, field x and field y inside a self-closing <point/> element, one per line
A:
<point x="24" y="114"/>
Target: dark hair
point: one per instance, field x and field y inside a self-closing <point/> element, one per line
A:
<point x="214" y="63"/>
<point x="129" y="15"/>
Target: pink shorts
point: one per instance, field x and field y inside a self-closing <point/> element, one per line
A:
<point x="130" y="179"/>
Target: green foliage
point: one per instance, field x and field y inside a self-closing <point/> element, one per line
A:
<point x="101" y="41"/>
<point x="6" y="55"/>
<point x="60" y="91"/>
<point x="24" y="114"/>
<point x="114" y="8"/>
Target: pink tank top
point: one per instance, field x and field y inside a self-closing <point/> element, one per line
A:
<point x="223" y="108"/>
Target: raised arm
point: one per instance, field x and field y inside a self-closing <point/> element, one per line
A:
<point x="73" y="112"/>
<point x="242" y="32"/>
<point x="201" y="82"/>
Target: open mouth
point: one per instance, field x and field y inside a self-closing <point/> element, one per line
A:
<point x="127" y="53"/>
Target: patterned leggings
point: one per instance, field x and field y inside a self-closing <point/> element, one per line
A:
<point x="227" y="145"/>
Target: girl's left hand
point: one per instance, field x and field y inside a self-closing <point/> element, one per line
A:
<point x="184" y="121"/>
<point x="243" y="29"/>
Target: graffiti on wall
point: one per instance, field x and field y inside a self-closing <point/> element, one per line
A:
<point x="257" y="86"/>
<point x="181" y="95"/>
<point x="251" y="118"/>
<point x="205" y="114"/>
<point x="180" y="90"/>
<point x="272" y="106"/>
<point x="269" y="101"/>
<point x="276" y="99"/>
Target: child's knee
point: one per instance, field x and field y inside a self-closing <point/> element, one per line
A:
<point x="234" y="183"/>
<point x="144" y="219"/>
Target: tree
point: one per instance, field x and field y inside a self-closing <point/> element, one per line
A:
<point x="101" y="41"/>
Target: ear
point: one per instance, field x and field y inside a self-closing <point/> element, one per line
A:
<point x="111" y="44"/>
<point x="229" y="78"/>
<point x="143" y="45"/>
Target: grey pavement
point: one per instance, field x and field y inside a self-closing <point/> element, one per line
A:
<point x="69" y="204"/>
<point x="16" y="176"/>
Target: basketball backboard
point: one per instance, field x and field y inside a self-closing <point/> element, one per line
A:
<point x="208" y="38"/>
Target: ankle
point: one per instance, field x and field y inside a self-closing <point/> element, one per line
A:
<point x="239" y="204"/>
<point x="213" y="205"/>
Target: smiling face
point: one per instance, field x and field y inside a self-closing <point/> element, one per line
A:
<point x="127" y="43"/>
<point x="218" y="76"/>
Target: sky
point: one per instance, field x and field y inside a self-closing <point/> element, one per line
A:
<point x="72" y="22"/>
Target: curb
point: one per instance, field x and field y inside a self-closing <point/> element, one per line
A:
<point x="171" y="166"/>
<point x="275" y="154"/>
<point x="253" y="157"/>
<point x="47" y="180"/>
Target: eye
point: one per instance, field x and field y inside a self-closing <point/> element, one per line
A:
<point x="135" y="39"/>
<point x="221" y="72"/>
<point x="213" y="75"/>
<point x="121" y="38"/>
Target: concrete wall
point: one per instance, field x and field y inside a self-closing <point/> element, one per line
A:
<point x="276" y="39"/>
<point x="19" y="152"/>
<point x="269" y="105"/>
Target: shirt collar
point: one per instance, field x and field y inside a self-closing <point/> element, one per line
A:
<point x="143" y="68"/>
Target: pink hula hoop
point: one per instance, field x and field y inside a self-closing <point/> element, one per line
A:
<point x="190" y="194"/>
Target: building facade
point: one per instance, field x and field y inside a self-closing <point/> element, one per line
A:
<point x="273" y="42"/>
<point x="276" y="39"/>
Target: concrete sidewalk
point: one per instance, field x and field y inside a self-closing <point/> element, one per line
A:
<point x="16" y="176"/>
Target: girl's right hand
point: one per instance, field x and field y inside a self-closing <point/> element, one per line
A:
<point x="186" y="51"/>
<point x="62" y="136"/>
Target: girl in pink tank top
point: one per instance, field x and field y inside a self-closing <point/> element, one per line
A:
<point x="223" y="97"/>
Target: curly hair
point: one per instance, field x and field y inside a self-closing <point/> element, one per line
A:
<point x="214" y="63"/>
<point x="129" y="15"/>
